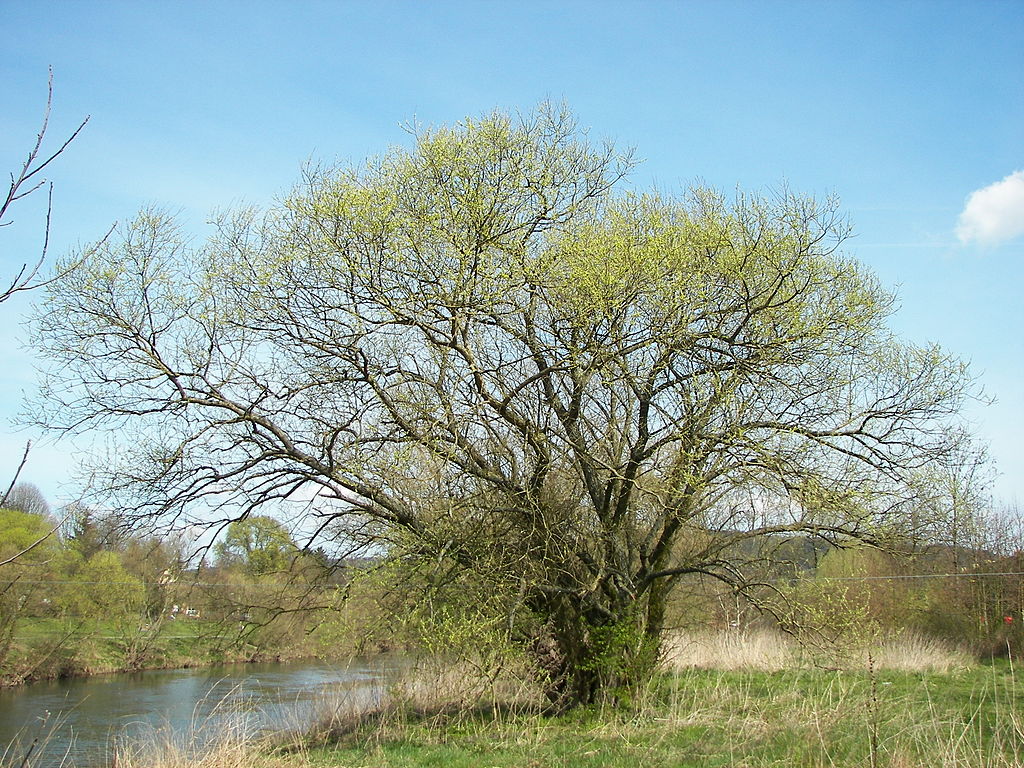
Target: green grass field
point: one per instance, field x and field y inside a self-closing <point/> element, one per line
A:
<point x="708" y="718"/>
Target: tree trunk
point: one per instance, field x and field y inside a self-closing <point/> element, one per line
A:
<point x="584" y="662"/>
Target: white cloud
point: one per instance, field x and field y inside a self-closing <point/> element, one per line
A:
<point x="994" y="213"/>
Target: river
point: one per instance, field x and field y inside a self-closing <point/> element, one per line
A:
<point x="78" y="722"/>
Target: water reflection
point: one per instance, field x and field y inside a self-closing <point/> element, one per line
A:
<point x="81" y="720"/>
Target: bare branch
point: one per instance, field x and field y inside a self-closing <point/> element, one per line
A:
<point x="17" y="473"/>
<point x="27" y="181"/>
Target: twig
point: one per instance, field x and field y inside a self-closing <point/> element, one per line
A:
<point x="17" y="473"/>
<point x="24" y="184"/>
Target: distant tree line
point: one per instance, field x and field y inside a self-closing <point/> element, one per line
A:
<point x="81" y="591"/>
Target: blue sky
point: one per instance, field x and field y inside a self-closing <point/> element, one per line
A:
<point x="903" y="109"/>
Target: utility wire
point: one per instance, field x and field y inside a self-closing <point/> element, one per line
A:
<point x="185" y="584"/>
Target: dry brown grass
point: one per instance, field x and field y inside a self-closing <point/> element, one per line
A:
<point x="432" y="685"/>
<point x="753" y="649"/>
<point x="909" y="652"/>
<point x="770" y="651"/>
<point x="232" y="747"/>
<point x="429" y="693"/>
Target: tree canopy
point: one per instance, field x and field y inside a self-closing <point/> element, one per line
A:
<point x="25" y="534"/>
<point x="259" y="544"/>
<point x="481" y="351"/>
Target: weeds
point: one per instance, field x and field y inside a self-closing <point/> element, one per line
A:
<point x="899" y="713"/>
<point x="771" y="651"/>
<point x="741" y="702"/>
<point x="225" y="738"/>
<point x="32" y="747"/>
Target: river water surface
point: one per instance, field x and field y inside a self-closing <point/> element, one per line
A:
<point x="78" y="722"/>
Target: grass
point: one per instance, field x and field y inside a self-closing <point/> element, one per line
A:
<point x="772" y="651"/>
<point x="763" y="650"/>
<point x="737" y="700"/>
<point x="921" y="704"/>
<point x="710" y="718"/>
<point x="229" y="745"/>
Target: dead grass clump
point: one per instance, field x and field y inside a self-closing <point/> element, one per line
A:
<point x="910" y="652"/>
<point x="770" y="651"/>
<point x="233" y="745"/>
<point x="764" y="650"/>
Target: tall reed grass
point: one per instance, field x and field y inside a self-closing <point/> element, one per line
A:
<point x="772" y="651"/>
<point x="226" y="737"/>
<point x="36" y="744"/>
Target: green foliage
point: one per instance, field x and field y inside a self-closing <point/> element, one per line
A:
<point x="833" y="624"/>
<point x="875" y="581"/>
<point x="432" y="606"/>
<point x="27" y="547"/>
<point x="88" y="532"/>
<point x="622" y="656"/>
<point x="100" y="599"/>
<point x="104" y="588"/>
<point x="477" y="347"/>
<point x="20" y="530"/>
<point x="258" y="544"/>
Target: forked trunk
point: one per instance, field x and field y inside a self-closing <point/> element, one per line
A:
<point x="583" y="662"/>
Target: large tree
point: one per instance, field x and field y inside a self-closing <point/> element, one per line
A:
<point x="477" y="349"/>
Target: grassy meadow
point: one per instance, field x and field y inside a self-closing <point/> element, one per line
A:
<point x="748" y="700"/>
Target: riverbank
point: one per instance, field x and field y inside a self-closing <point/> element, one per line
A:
<point x="736" y="699"/>
<point x="88" y="722"/>
<point x="726" y="699"/>
<point x="53" y="649"/>
<point x="685" y="719"/>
